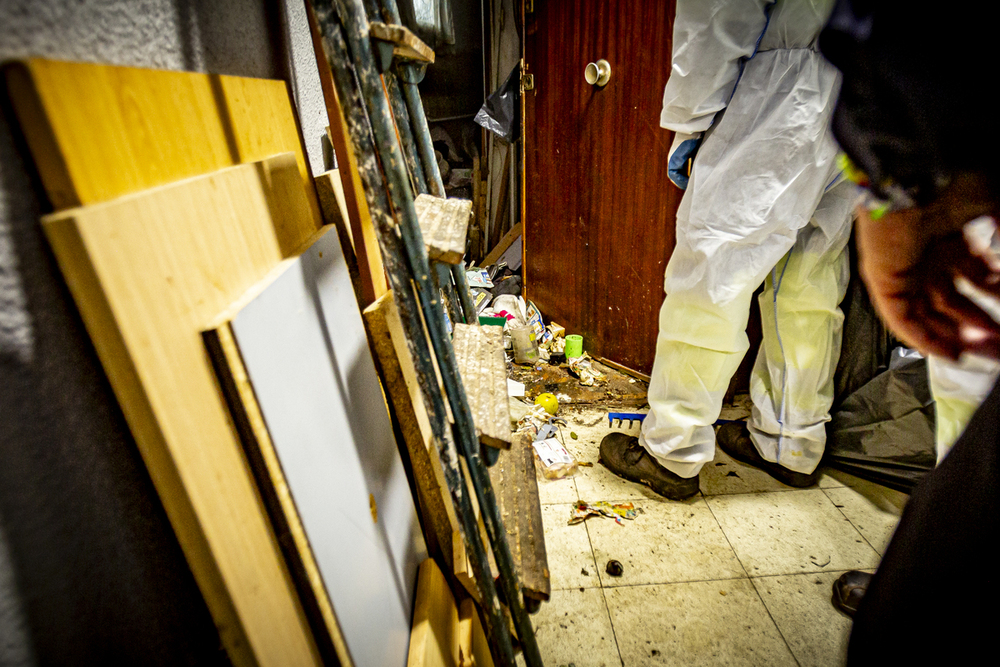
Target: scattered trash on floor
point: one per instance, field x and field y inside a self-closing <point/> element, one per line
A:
<point x="515" y="388"/>
<point x="614" y="568"/>
<point x="622" y="417"/>
<point x="573" y="435"/>
<point x="583" y="368"/>
<point x="584" y="510"/>
<point x="556" y="461"/>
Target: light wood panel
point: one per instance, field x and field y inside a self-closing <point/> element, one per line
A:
<point x="434" y="640"/>
<point x="149" y="272"/>
<point x="99" y="131"/>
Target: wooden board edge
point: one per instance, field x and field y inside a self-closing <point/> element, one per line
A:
<point x="220" y="343"/>
<point x="40" y="135"/>
<point x="367" y="250"/>
<point x="84" y="284"/>
<point x="505" y="242"/>
<point x="331" y="201"/>
<point x="437" y="508"/>
<point x="624" y="369"/>
<point x="435" y="619"/>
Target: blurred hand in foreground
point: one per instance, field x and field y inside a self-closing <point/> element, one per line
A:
<point x="910" y="260"/>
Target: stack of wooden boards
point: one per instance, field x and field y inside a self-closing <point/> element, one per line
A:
<point x="152" y="260"/>
<point x="224" y="315"/>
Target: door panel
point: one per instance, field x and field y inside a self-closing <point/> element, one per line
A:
<point x="599" y="218"/>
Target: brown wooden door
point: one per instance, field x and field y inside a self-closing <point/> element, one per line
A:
<point x="599" y="209"/>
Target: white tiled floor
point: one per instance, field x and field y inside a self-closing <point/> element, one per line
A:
<point x="738" y="575"/>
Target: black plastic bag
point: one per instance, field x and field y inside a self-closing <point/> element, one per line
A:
<point x="884" y="431"/>
<point x="499" y="114"/>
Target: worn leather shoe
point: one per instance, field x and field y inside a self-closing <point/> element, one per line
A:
<point x="624" y="456"/>
<point x="734" y="439"/>
<point x="848" y="590"/>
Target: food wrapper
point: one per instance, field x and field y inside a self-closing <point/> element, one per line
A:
<point x="584" y="510"/>
<point x="582" y="368"/>
<point x="556" y="462"/>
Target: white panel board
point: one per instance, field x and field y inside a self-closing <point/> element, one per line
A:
<point x="304" y="347"/>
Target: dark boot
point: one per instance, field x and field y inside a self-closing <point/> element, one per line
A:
<point x="734" y="439"/>
<point x="624" y="456"/>
<point x="848" y="590"/>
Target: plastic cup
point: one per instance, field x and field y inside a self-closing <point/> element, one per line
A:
<point x="574" y="346"/>
<point x="525" y="344"/>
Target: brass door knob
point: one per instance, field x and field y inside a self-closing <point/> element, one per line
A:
<point x="598" y="74"/>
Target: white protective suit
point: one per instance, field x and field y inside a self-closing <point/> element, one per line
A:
<point x="765" y="202"/>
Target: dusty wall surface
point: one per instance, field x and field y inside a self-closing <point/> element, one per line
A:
<point x="90" y="570"/>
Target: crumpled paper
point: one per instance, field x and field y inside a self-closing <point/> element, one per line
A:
<point x="582" y="368"/>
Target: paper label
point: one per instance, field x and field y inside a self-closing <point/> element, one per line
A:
<point x="551" y="452"/>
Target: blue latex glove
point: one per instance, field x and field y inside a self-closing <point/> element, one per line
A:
<point x="682" y="150"/>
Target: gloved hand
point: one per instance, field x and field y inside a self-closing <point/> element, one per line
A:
<point x="682" y="150"/>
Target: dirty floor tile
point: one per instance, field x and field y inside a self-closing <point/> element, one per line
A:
<point x="573" y="627"/>
<point x="696" y="623"/>
<point x="667" y="542"/>
<point x="571" y="561"/>
<point x="800" y="604"/>
<point x="725" y="475"/>
<point x="599" y="483"/>
<point x="551" y="491"/>
<point x="791" y="532"/>
<point x="875" y="523"/>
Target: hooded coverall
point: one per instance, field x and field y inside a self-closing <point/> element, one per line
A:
<point x="765" y="203"/>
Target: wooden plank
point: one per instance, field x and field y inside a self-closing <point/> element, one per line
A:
<point x="399" y="377"/>
<point x="301" y="339"/>
<point x="444" y="224"/>
<point x="473" y="649"/>
<point x="330" y="191"/>
<point x="370" y="270"/>
<point x="148" y="273"/>
<point x="407" y="45"/>
<point x="493" y="255"/>
<point x="434" y="640"/>
<point x="516" y="488"/>
<point x="480" y="358"/>
<point x="627" y="371"/>
<point x="99" y="131"/>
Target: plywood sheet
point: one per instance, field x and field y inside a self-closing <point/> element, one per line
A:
<point x="100" y="131"/>
<point x="434" y="641"/>
<point x="149" y="272"/>
<point x="302" y="341"/>
<point x="403" y="389"/>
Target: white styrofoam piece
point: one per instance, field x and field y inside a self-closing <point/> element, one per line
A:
<point x="304" y="346"/>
